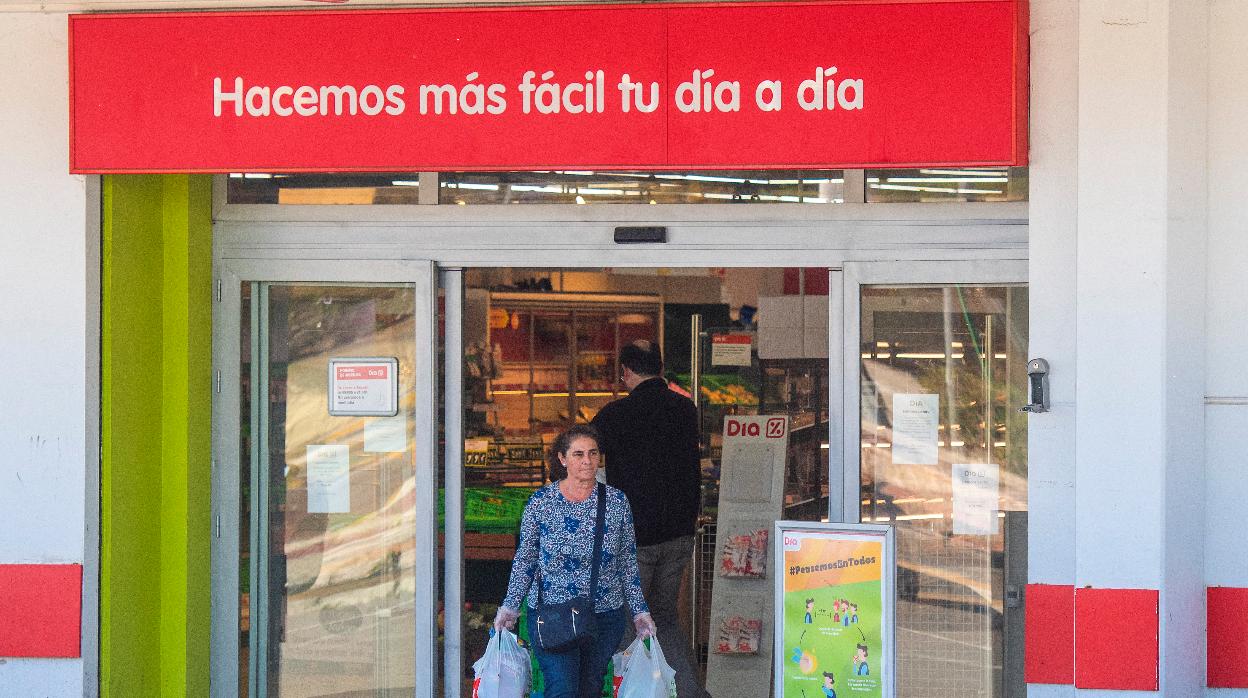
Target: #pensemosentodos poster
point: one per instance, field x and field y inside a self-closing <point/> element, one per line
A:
<point x="834" y="610"/>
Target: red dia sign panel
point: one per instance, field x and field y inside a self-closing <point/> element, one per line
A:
<point x="834" y="84"/>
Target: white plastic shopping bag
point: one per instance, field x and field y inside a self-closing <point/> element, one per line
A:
<point x="646" y="672"/>
<point x="619" y="661"/>
<point x="503" y="671"/>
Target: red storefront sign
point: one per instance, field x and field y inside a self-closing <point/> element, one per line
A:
<point x="850" y="83"/>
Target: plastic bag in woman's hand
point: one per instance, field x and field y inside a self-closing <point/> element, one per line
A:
<point x="619" y="662"/>
<point x="503" y="671"/>
<point x="647" y="674"/>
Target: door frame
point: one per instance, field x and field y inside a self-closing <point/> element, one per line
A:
<point x="855" y="276"/>
<point x="230" y="275"/>
<point x="834" y="237"/>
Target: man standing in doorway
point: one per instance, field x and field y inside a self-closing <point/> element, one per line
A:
<point x="650" y="439"/>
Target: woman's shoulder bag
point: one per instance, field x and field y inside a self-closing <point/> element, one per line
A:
<point x="562" y="627"/>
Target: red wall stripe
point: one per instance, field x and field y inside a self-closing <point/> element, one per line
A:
<point x="1050" y="634"/>
<point x="1227" y="610"/>
<point x="1117" y="635"/>
<point x="1116" y="639"/>
<point x="40" y="610"/>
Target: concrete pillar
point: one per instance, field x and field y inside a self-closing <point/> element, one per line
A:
<point x="1139" y="325"/>
<point x="1226" y="483"/>
<point x="1053" y="238"/>
<point x="1117" y="258"/>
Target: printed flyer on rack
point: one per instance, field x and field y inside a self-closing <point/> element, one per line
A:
<point x="835" y="611"/>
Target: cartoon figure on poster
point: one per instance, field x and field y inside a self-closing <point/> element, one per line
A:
<point x="829" y="681"/>
<point x="833" y="595"/>
<point x="861" y="668"/>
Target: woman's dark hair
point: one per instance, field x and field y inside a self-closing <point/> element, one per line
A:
<point x="563" y="442"/>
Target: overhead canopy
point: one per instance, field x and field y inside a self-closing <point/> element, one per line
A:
<point x="832" y="84"/>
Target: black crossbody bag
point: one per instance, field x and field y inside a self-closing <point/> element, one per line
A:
<point x="562" y="627"/>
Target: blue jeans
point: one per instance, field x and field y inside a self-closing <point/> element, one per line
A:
<point x="579" y="673"/>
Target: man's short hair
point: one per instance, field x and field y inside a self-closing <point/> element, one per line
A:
<point x="642" y="357"/>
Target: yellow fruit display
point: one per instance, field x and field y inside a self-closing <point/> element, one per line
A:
<point x="730" y="394"/>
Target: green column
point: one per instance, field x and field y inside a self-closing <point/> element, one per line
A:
<point x="156" y="338"/>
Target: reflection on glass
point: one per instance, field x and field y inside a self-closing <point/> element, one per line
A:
<point x="587" y="187"/>
<point x="335" y="590"/>
<point x="545" y="187"/>
<point x="947" y="184"/>
<point x="944" y="457"/>
<point x="341" y="188"/>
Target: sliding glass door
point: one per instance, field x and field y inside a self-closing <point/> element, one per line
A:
<point x="935" y="365"/>
<point x="325" y="502"/>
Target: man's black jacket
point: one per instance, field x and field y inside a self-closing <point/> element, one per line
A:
<point x="650" y="439"/>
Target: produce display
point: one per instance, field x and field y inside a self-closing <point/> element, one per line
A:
<point x="731" y="394"/>
<point x="724" y="389"/>
<point x="490" y="510"/>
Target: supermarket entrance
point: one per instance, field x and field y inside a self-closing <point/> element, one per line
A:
<point x="832" y="352"/>
<point x="541" y="352"/>
<point x="340" y="566"/>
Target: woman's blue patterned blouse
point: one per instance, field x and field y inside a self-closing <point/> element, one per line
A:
<point x="566" y="533"/>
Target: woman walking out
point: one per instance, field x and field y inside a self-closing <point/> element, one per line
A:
<point x="557" y="532"/>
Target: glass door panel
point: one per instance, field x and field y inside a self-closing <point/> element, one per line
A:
<point x="331" y="498"/>
<point x="943" y="453"/>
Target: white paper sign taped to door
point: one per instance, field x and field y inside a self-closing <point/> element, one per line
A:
<point x="915" y="418"/>
<point x="386" y="434"/>
<point x="329" y="479"/>
<point x="976" y="492"/>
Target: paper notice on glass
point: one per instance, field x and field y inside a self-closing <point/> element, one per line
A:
<point x="915" y="417"/>
<point x="329" y="480"/>
<point x="975" y="497"/>
<point x="386" y="434"/>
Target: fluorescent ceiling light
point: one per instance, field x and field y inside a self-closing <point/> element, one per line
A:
<point x="950" y="180"/>
<point x="939" y="190"/>
<point x="958" y="173"/>
<point x="702" y="178"/>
